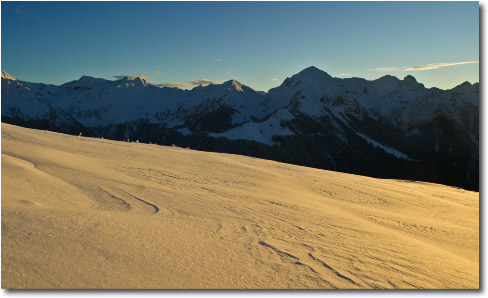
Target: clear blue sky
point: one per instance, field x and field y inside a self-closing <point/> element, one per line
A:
<point x="256" y="43"/>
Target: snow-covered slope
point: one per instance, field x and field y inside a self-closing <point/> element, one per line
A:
<point x="262" y="131"/>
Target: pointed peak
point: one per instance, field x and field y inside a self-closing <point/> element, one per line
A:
<point x="5" y="75"/>
<point x="233" y="84"/>
<point x="140" y="79"/>
<point x="312" y="70"/>
<point x="198" y="87"/>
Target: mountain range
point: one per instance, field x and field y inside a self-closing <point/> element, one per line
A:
<point x="385" y="128"/>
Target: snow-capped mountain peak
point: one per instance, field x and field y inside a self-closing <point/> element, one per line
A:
<point x="140" y="81"/>
<point x="312" y="77"/>
<point x="312" y="73"/>
<point x="233" y="85"/>
<point x="5" y="75"/>
<point x="310" y="84"/>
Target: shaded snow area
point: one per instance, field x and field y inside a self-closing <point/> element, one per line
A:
<point x="262" y="132"/>
<point x="387" y="149"/>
